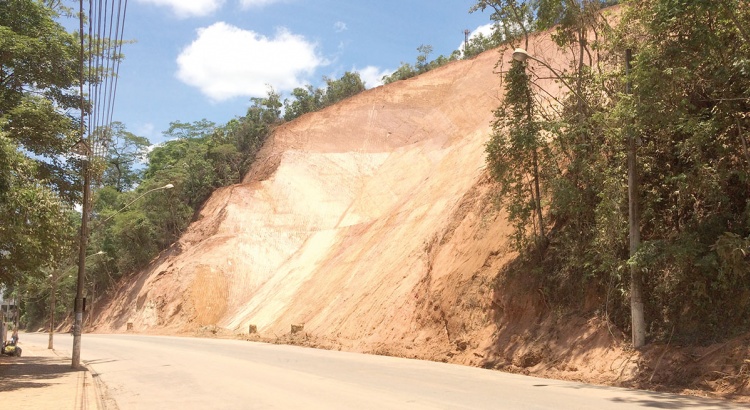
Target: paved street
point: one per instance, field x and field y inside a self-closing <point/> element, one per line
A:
<point x="141" y="372"/>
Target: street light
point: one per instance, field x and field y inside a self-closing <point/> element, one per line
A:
<point x="521" y="55"/>
<point x="78" y="304"/>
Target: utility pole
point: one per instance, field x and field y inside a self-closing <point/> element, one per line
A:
<point x="78" y="304"/>
<point x="466" y="41"/>
<point x="50" y="343"/>
<point x="638" y="321"/>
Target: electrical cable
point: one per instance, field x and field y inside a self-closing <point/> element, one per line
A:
<point x="106" y="21"/>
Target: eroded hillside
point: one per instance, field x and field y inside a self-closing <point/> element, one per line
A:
<point x="355" y="222"/>
<point x="372" y="225"/>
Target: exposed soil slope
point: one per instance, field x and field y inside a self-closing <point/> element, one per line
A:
<point x="349" y="223"/>
<point x="371" y="225"/>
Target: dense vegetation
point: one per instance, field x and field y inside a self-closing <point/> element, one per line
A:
<point x="562" y="163"/>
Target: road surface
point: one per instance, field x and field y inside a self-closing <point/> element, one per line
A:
<point x="148" y="372"/>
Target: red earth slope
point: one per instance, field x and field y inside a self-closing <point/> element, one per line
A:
<point x="350" y="223"/>
<point x="371" y="224"/>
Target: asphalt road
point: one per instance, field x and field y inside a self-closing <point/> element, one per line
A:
<point x="150" y="372"/>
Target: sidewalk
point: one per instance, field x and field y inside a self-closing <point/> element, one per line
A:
<point x="43" y="379"/>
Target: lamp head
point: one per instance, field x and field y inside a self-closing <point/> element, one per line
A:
<point x="520" y="54"/>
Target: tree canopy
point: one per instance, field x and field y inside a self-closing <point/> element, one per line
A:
<point x="688" y="110"/>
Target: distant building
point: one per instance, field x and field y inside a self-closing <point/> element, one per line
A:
<point x="7" y="306"/>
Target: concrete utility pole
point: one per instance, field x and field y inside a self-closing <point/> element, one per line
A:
<point x="78" y="304"/>
<point x="638" y="321"/>
<point x="50" y="342"/>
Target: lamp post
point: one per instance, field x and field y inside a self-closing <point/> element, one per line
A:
<point x="78" y="318"/>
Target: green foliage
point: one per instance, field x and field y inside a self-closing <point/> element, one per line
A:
<point x="422" y="65"/>
<point x="306" y="100"/>
<point x="689" y="112"/>
<point x="338" y="90"/>
<point x="37" y="228"/>
<point x="38" y="77"/>
<point x="513" y="153"/>
<point x="39" y="126"/>
<point x="39" y="82"/>
<point x="310" y="99"/>
<point x="513" y="19"/>
<point x="479" y="44"/>
<point x="125" y="152"/>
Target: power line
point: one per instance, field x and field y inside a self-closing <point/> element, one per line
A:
<point x="106" y="23"/>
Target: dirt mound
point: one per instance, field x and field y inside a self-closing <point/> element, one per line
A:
<point x="370" y="226"/>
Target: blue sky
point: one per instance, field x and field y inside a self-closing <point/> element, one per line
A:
<point x="196" y="59"/>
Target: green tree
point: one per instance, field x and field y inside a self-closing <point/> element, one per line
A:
<point x="479" y="44"/>
<point x="124" y="154"/>
<point x="514" y="20"/>
<point x="38" y="229"/>
<point x="39" y="72"/>
<point x="513" y="157"/>
<point x="181" y="137"/>
<point x="311" y="99"/>
<point x="307" y="99"/>
<point x="689" y="108"/>
<point x="422" y="64"/>
<point x="337" y="90"/>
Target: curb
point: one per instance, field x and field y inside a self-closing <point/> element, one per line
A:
<point x="89" y="394"/>
<point x="87" y="390"/>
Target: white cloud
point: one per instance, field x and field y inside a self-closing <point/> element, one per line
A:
<point x="372" y="76"/>
<point x="188" y="8"/>
<point x="226" y="62"/>
<point x="340" y="26"/>
<point x="486" y="30"/>
<point x="257" y="3"/>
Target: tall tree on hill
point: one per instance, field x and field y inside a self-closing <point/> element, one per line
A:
<point x="577" y="146"/>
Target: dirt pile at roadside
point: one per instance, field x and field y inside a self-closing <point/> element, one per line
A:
<point x="370" y="226"/>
